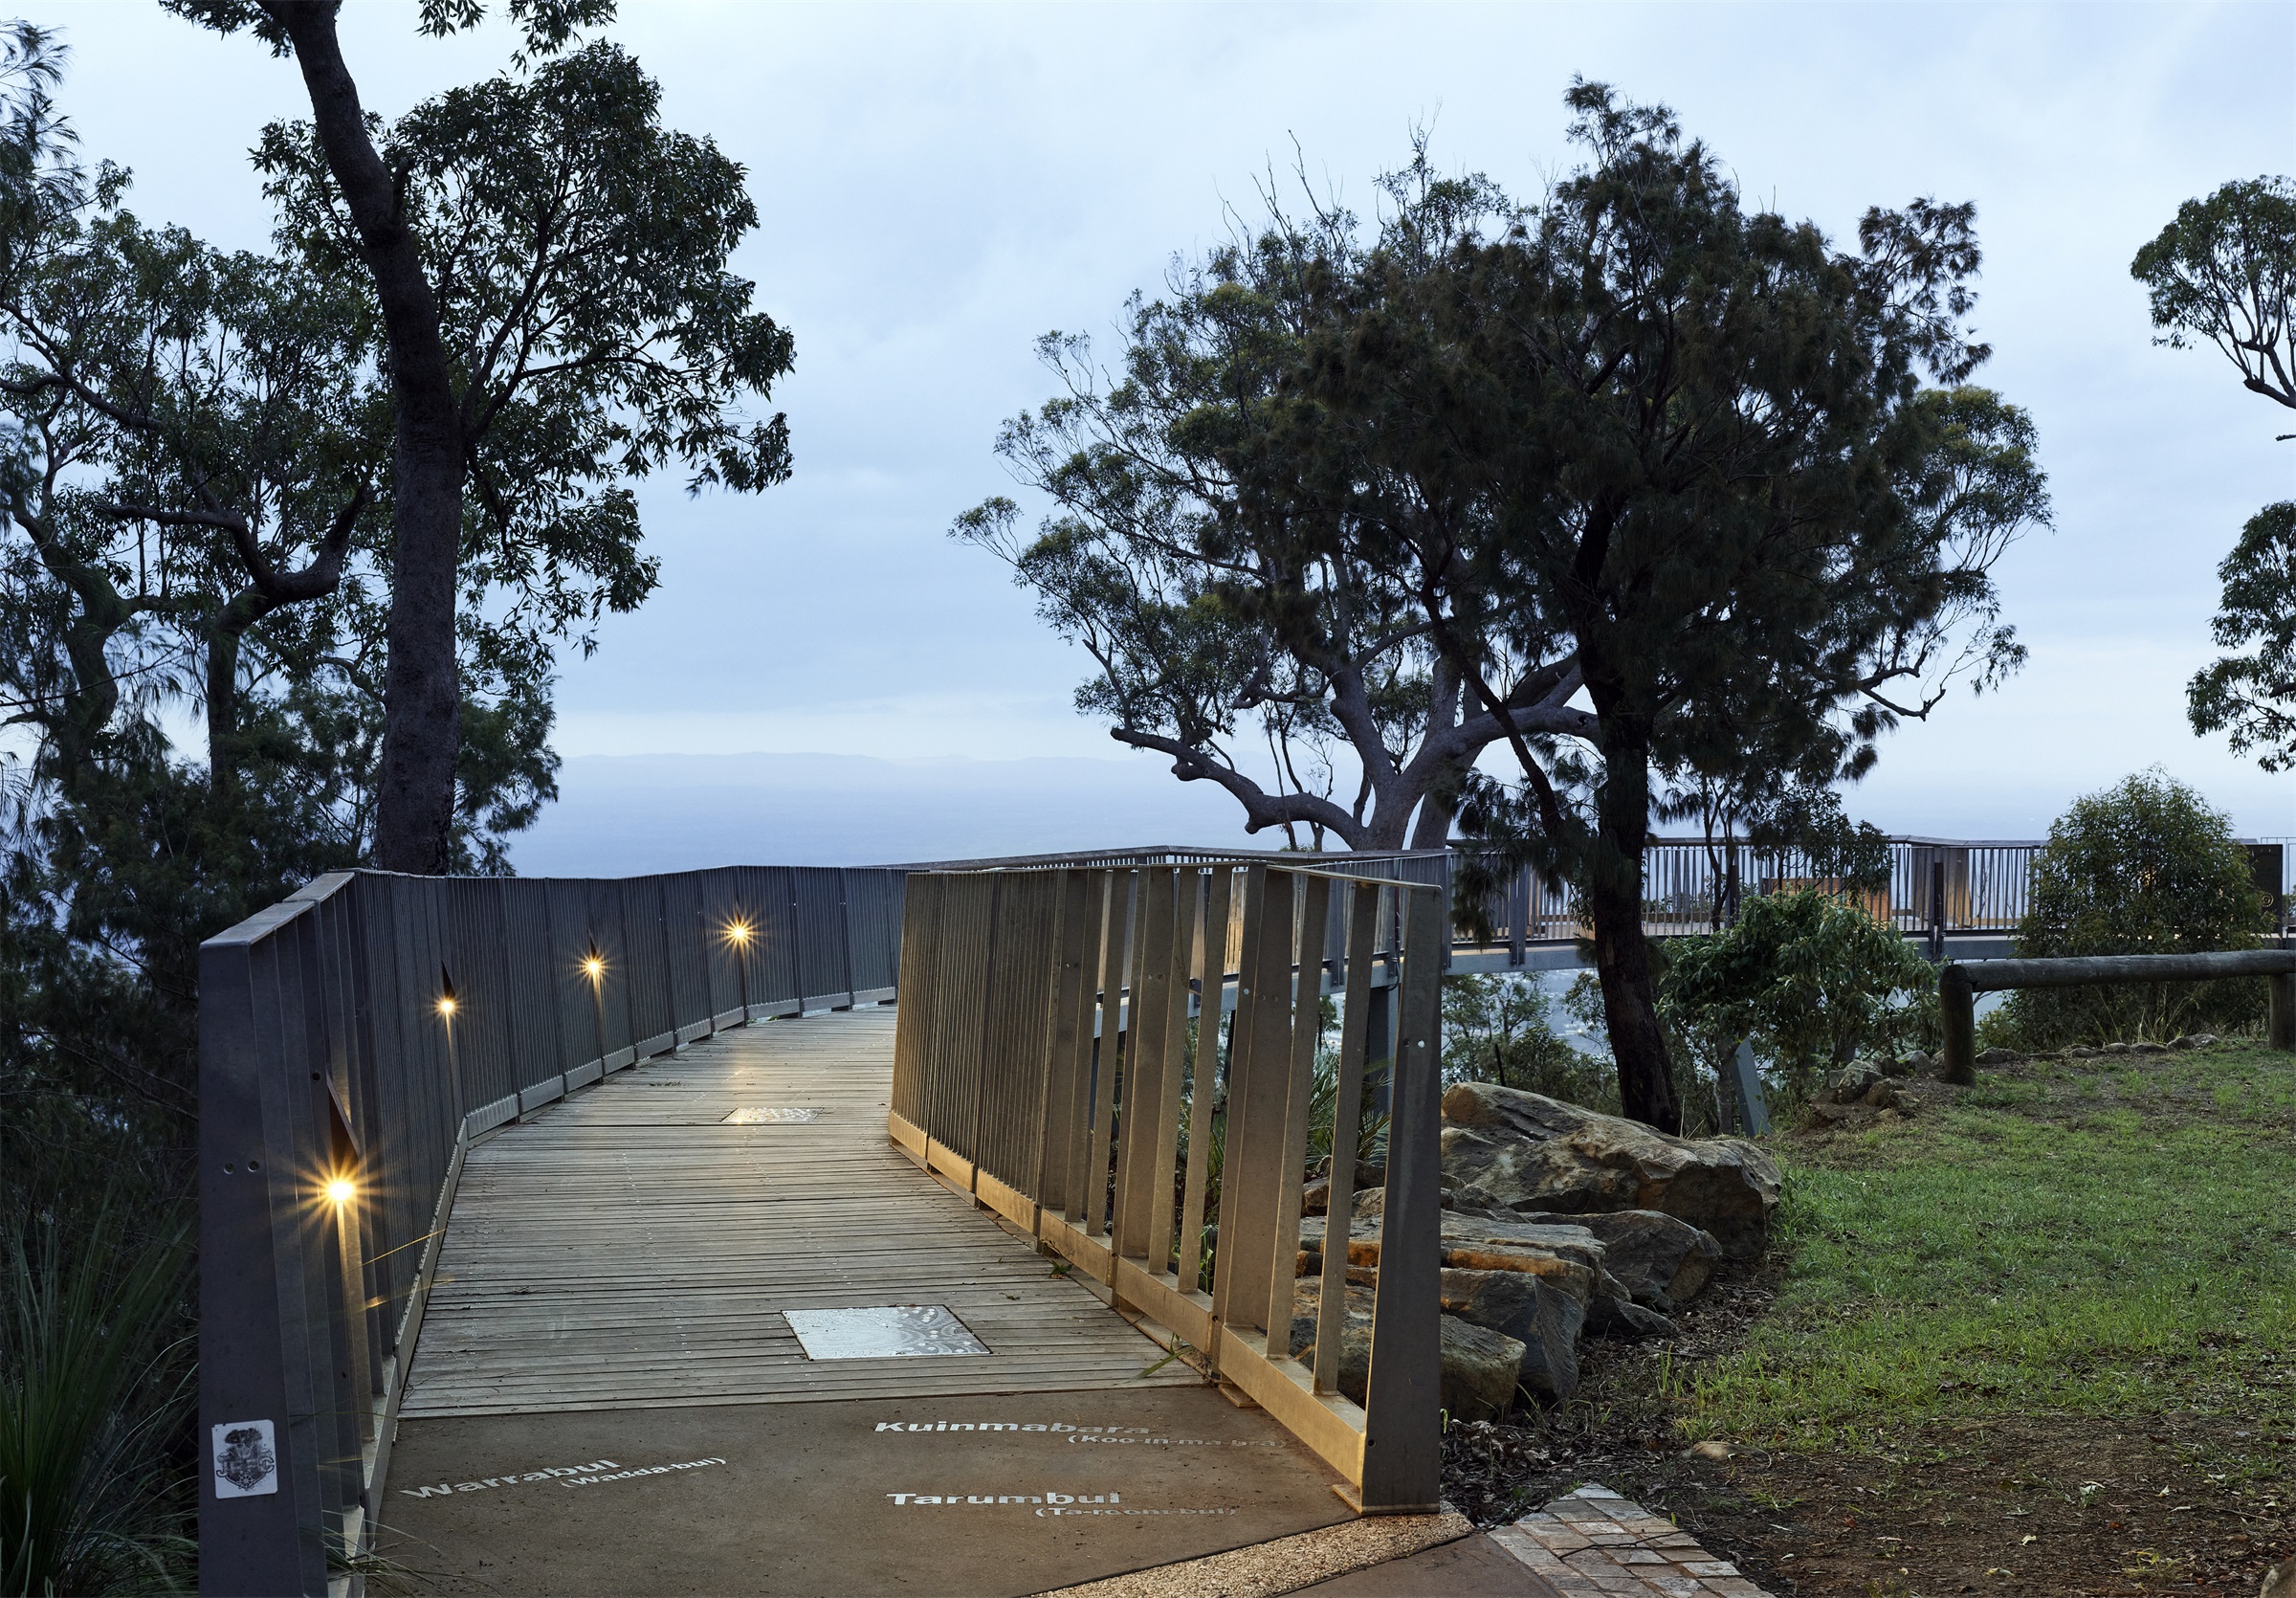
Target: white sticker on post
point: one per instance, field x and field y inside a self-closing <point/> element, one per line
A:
<point x="247" y="1463"/>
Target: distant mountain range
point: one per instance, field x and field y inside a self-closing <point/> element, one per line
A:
<point x="619" y="815"/>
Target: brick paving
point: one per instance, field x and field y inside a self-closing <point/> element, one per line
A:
<point x="1594" y="1542"/>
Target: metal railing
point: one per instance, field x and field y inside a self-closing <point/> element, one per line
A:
<point x="354" y="1040"/>
<point x="1689" y="886"/>
<point x="1937" y="887"/>
<point x="1059" y="1057"/>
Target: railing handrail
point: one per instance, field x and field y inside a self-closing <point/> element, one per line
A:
<point x="1282" y="863"/>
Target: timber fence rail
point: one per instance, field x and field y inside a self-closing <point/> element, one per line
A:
<point x="1959" y="986"/>
<point x="1060" y="1057"/>
<point x="354" y="1040"/>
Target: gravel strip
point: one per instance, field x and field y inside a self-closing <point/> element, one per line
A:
<point x="1266" y="1570"/>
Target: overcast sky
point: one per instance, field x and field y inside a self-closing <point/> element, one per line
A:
<point x="941" y="184"/>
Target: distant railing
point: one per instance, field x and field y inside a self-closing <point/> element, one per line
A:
<point x="1689" y="886"/>
<point x="1059" y="1038"/>
<point x="354" y="1040"/>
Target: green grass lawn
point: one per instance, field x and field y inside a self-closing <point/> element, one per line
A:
<point x="2105" y="1237"/>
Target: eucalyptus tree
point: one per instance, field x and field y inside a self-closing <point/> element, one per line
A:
<point x="1243" y="561"/>
<point x="548" y="267"/>
<point x="2224" y="273"/>
<point x="1704" y="467"/>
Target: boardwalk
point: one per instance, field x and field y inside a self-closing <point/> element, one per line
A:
<point x="608" y="1396"/>
<point x="633" y="1248"/>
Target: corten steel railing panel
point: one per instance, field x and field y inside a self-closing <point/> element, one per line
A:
<point x="1086" y="1110"/>
<point x="327" y="1053"/>
<point x="919" y="949"/>
<point x="824" y="962"/>
<point x="691" y="956"/>
<point x="763" y="893"/>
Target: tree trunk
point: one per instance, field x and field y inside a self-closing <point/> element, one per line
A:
<point x="226" y="747"/>
<point x="1433" y="828"/>
<point x="225" y="755"/>
<point x="1613" y="900"/>
<point x="422" y="693"/>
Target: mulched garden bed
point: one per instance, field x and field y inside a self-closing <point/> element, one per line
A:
<point x="2078" y="1508"/>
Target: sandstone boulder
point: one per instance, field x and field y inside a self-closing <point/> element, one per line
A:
<point x="1614" y="1315"/>
<point x="1887" y="1096"/>
<point x="1509" y="1150"/>
<point x="1853" y="1083"/>
<point x="1543" y="1318"/>
<point x="1998" y="1056"/>
<point x="1567" y="1256"/>
<point x="1660" y="1260"/>
<point x="1315" y="1198"/>
<point x="1481" y="1368"/>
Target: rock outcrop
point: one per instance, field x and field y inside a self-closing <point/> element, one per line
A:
<point x="1315" y="1198"/>
<point x="1481" y="1368"/>
<point x="1661" y="1261"/>
<point x="1568" y="1255"/>
<point x="1542" y="1318"/>
<point x="1505" y="1149"/>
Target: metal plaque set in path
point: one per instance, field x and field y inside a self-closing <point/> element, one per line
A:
<point x="881" y="1332"/>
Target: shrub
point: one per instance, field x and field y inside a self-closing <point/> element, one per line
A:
<point x="2145" y="867"/>
<point x="1812" y="981"/>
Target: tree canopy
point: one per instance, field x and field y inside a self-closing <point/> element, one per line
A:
<point x="1218" y="549"/>
<point x="548" y="271"/>
<point x="1630" y="481"/>
<point x="2224" y="273"/>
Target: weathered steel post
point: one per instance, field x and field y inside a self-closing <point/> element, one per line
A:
<point x="2280" y="1019"/>
<point x="1402" y="1435"/>
<point x="1957" y="1011"/>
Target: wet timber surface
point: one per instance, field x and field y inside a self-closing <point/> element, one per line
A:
<point x="608" y="1395"/>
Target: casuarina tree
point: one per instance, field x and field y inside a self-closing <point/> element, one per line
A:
<point x="1730" y="474"/>
<point x="549" y="268"/>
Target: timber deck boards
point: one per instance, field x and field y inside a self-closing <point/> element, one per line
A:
<point x="627" y="1249"/>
